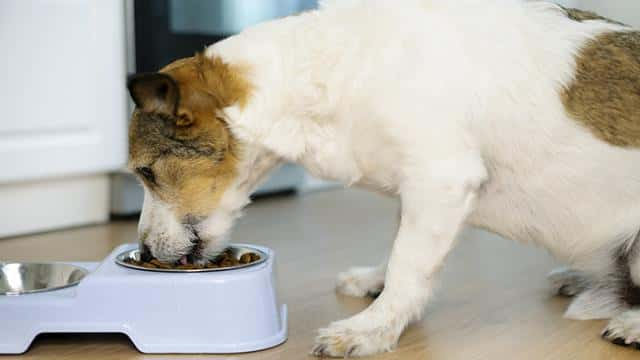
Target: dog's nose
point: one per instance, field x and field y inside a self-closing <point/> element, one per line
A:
<point x="145" y="253"/>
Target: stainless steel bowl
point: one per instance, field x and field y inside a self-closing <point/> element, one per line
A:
<point x="23" y="278"/>
<point x="236" y="251"/>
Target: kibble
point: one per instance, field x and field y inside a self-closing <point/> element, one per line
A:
<point x="245" y="258"/>
<point x="224" y="260"/>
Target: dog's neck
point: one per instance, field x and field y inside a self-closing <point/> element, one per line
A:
<point x="301" y="81"/>
<point x="286" y="98"/>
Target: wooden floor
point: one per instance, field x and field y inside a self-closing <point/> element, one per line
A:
<point x="493" y="302"/>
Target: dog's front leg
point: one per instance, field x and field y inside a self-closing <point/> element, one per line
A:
<point x="435" y="204"/>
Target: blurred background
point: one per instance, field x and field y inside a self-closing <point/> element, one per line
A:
<point x="64" y="131"/>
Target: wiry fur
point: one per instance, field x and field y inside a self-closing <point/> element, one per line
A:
<point x="584" y="15"/>
<point x="455" y="107"/>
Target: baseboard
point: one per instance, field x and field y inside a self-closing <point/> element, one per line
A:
<point x="29" y="207"/>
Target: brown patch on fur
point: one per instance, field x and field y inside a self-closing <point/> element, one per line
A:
<point x="190" y="150"/>
<point x="210" y="80"/>
<point x="583" y="15"/>
<point x="605" y="94"/>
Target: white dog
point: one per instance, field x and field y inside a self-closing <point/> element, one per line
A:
<point x="519" y="117"/>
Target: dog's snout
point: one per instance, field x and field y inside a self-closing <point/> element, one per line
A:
<point x="186" y="241"/>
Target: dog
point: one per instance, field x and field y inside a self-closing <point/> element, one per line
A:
<point x="520" y="117"/>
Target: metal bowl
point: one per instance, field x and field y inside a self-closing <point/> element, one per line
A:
<point x="236" y="251"/>
<point x="23" y="278"/>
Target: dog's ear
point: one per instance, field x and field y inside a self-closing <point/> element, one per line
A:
<point x="154" y="92"/>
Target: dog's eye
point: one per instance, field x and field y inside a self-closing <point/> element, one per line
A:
<point x="147" y="174"/>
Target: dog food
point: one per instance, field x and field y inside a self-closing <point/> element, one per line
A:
<point x="224" y="260"/>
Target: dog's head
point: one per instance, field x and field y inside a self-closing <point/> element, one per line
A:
<point x="185" y="156"/>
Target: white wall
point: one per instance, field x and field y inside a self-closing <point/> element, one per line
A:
<point x="569" y="3"/>
<point x="626" y="11"/>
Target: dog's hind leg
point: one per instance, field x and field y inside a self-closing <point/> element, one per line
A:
<point x="624" y="328"/>
<point x="601" y="301"/>
<point x="362" y="281"/>
<point x="568" y="282"/>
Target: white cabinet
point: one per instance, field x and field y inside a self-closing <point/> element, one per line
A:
<point x="62" y="95"/>
<point x="63" y="102"/>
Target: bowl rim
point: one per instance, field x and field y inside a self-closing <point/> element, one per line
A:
<point x="120" y="260"/>
<point x="81" y="269"/>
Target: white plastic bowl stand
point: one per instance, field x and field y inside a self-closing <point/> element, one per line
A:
<point x="210" y="312"/>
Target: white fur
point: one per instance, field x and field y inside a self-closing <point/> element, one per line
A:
<point x="161" y="231"/>
<point x="597" y="296"/>
<point x="599" y="302"/>
<point x="451" y="105"/>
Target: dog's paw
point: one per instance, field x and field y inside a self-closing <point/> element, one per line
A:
<point x="568" y="282"/>
<point x="360" y="282"/>
<point x="624" y="329"/>
<point x="353" y="338"/>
